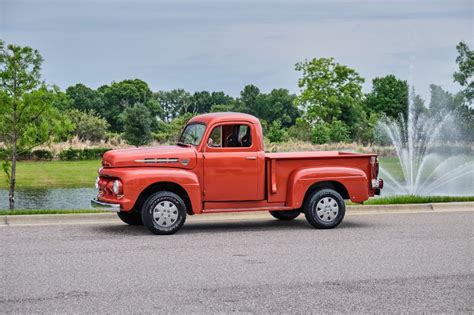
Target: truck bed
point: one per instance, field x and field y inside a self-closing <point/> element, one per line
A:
<point x="328" y="165"/>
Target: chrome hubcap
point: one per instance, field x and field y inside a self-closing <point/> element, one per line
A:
<point x="327" y="209"/>
<point x="165" y="214"/>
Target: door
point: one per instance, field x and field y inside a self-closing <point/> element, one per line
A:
<point x="231" y="164"/>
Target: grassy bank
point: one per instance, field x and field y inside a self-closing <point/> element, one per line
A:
<point x="54" y="174"/>
<point x="47" y="211"/>
<point x="79" y="174"/>
<point x="415" y="199"/>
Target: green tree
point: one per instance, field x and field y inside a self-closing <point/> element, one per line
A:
<point x="441" y="100"/>
<point x="170" y="132"/>
<point x="203" y="101"/>
<point x="330" y="91"/>
<point x="88" y="125"/>
<point x="84" y="98"/>
<point x="389" y="96"/>
<point x="28" y="117"/>
<point x="174" y="103"/>
<point x="121" y="95"/>
<point x="247" y="103"/>
<point x="137" y="122"/>
<point x="223" y="108"/>
<point x="279" y="104"/>
<point x="463" y="76"/>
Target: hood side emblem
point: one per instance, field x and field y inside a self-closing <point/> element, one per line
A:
<point x="161" y="160"/>
<point x="185" y="162"/>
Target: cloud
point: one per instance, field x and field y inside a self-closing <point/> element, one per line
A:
<point x="223" y="45"/>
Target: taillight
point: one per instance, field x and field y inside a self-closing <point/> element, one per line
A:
<point x="375" y="166"/>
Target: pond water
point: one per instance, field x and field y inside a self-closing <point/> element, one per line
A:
<point x="55" y="198"/>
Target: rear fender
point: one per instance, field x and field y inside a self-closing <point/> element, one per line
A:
<point x="300" y="180"/>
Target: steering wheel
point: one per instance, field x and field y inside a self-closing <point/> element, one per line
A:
<point x="230" y="141"/>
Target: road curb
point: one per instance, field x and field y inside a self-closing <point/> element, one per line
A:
<point x="84" y="218"/>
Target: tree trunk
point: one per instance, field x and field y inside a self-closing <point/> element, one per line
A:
<point x="11" y="195"/>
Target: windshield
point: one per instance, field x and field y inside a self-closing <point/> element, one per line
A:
<point x="192" y="134"/>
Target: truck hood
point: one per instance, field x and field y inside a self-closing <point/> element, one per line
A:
<point x="162" y="156"/>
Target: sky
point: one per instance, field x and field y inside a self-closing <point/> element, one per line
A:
<point x="224" y="45"/>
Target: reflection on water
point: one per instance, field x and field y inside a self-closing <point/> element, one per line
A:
<point x="57" y="198"/>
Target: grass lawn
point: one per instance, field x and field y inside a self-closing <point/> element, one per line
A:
<point x="415" y="199"/>
<point x="391" y="165"/>
<point x="54" y="174"/>
<point x="78" y="174"/>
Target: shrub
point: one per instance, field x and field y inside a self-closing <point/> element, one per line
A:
<point x="301" y="130"/>
<point x="82" y="154"/>
<point x="276" y="133"/>
<point x="88" y="125"/>
<point x="69" y="154"/>
<point x="42" y="155"/>
<point x="338" y="131"/>
<point x="320" y="133"/>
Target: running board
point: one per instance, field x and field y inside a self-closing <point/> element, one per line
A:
<point x="281" y="208"/>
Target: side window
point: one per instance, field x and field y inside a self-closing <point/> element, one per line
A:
<point x="244" y="136"/>
<point x="230" y="136"/>
<point x="215" y="139"/>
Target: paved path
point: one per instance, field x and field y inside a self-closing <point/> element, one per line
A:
<point x="379" y="262"/>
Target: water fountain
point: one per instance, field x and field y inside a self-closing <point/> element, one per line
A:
<point x="425" y="171"/>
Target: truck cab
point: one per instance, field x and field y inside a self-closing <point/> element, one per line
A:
<point x="219" y="165"/>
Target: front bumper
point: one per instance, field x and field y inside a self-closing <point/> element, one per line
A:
<point x="114" y="207"/>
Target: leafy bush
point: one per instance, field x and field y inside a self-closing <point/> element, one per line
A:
<point x="338" y="131"/>
<point x="42" y="155"/>
<point x="301" y="130"/>
<point x="69" y="154"/>
<point x="276" y="133"/>
<point x="88" y="125"/>
<point x="82" y="154"/>
<point x="320" y="133"/>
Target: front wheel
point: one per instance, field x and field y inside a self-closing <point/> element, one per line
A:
<point x="285" y="215"/>
<point x="324" y="209"/>
<point x="164" y="212"/>
<point x="130" y="217"/>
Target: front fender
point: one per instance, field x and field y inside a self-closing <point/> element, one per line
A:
<point x="300" y="180"/>
<point x="136" y="180"/>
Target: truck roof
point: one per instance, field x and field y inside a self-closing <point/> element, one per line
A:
<point x="224" y="116"/>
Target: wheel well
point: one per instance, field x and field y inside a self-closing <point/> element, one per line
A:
<point x="329" y="185"/>
<point x="164" y="186"/>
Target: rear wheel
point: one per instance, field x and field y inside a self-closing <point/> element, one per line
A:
<point x="324" y="209"/>
<point x="164" y="212"/>
<point x="285" y="215"/>
<point x="130" y="217"/>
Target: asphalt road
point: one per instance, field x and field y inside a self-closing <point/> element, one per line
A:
<point x="384" y="262"/>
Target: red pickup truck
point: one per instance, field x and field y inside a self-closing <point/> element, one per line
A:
<point x="219" y="165"/>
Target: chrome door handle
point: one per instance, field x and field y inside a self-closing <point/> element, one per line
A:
<point x="251" y="157"/>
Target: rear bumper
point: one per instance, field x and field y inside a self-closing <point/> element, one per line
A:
<point x="114" y="207"/>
